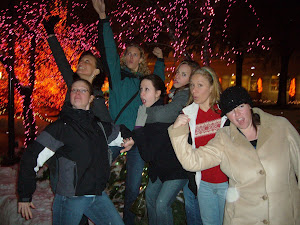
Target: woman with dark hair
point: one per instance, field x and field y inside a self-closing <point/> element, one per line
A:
<point x="88" y="68"/>
<point x="78" y="143"/>
<point x="260" y="154"/>
<point x="166" y="175"/>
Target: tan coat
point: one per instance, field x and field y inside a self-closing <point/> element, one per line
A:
<point x="262" y="185"/>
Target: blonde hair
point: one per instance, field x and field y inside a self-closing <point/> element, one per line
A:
<point x="143" y="67"/>
<point x="211" y="76"/>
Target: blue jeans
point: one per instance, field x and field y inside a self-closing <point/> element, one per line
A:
<point x="159" y="198"/>
<point x="134" y="168"/>
<point x="211" y="199"/>
<point x="99" y="209"/>
<point x="192" y="210"/>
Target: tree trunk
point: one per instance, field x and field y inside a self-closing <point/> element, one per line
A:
<point x="281" y="100"/>
<point x="239" y="69"/>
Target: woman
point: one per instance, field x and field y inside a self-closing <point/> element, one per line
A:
<point x="79" y="144"/>
<point x="260" y="154"/>
<point x="124" y="82"/>
<point x="166" y="175"/>
<point x="88" y="68"/>
<point x="205" y="120"/>
<point x="179" y="96"/>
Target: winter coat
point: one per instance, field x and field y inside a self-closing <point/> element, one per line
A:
<point x="169" y="112"/>
<point x="155" y="147"/>
<point x="79" y="144"/>
<point x="123" y="84"/>
<point x="262" y="184"/>
<point x="192" y="112"/>
<point x="98" y="107"/>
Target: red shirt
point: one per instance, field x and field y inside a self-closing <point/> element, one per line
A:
<point x="207" y="124"/>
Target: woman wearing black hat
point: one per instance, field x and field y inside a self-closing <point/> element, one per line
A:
<point x="260" y="154"/>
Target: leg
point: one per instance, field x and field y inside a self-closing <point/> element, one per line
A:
<point x="115" y="152"/>
<point x="69" y="210"/>
<point x="192" y="210"/>
<point x="222" y="192"/>
<point x="134" y="167"/>
<point x="165" y="199"/>
<point x="102" y="211"/>
<point x="209" y="202"/>
<point x="152" y="192"/>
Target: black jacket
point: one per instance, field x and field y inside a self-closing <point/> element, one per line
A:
<point x="80" y="149"/>
<point x="156" y="148"/>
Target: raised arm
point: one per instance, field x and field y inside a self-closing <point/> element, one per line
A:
<point x="57" y="51"/>
<point x="108" y="49"/>
<point x="159" y="68"/>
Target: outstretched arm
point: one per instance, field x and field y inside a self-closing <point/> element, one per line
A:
<point x="99" y="6"/>
<point x="57" y="51"/>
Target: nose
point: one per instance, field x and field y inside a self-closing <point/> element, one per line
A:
<point x="236" y="112"/>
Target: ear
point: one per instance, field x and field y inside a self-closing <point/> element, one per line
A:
<point x="91" y="99"/>
<point x="157" y="93"/>
<point x="96" y="72"/>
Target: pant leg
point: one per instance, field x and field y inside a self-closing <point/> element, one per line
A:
<point x="134" y="167"/>
<point x="115" y="152"/>
<point x="102" y="211"/>
<point x="152" y="192"/>
<point x="69" y="210"/>
<point x="192" y="210"/>
<point x="208" y="197"/>
<point x="165" y="199"/>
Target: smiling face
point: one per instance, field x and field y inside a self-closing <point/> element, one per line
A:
<point x="200" y="89"/>
<point x="133" y="58"/>
<point x="87" y="68"/>
<point x="241" y="117"/>
<point x="149" y="95"/>
<point x="182" y="76"/>
<point x="80" y="96"/>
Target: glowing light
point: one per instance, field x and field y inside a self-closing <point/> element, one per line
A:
<point x="292" y="90"/>
<point x="259" y="85"/>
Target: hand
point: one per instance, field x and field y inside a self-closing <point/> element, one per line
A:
<point x="127" y="144"/>
<point x="99" y="6"/>
<point x="50" y="24"/>
<point x="141" y="116"/>
<point x="181" y="121"/>
<point x="158" y="52"/>
<point x="24" y="209"/>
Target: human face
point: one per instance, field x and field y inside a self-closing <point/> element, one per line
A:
<point x="241" y="117"/>
<point x="148" y="93"/>
<point x="133" y="58"/>
<point x="80" y="96"/>
<point x="200" y="89"/>
<point x="87" y="69"/>
<point x="182" y="76"/>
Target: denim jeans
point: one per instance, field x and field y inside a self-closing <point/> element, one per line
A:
<point x="192" y="210"/>
<point x="99" y="209"/>
<point x="159" y="198"/>
<point x="134" y="167"/>
<point x="211" y="199"/>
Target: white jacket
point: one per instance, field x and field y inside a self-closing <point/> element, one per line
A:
<point x="192" y="111"/>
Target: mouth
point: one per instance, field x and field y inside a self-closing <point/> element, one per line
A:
<point x="143" y="101"/>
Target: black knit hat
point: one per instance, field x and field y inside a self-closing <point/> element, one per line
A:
<point x="233" y="97"/>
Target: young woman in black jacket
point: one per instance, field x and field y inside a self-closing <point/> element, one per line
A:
<point x="79" y="143"/>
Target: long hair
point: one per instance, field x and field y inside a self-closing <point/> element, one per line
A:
<point x="143" y="67"/>
<point x="209" y="74"/>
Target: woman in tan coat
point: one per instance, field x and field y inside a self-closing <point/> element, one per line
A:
<point x="260" y="154"/>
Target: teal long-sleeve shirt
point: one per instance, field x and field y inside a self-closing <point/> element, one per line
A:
<point x="123" y="84"/>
